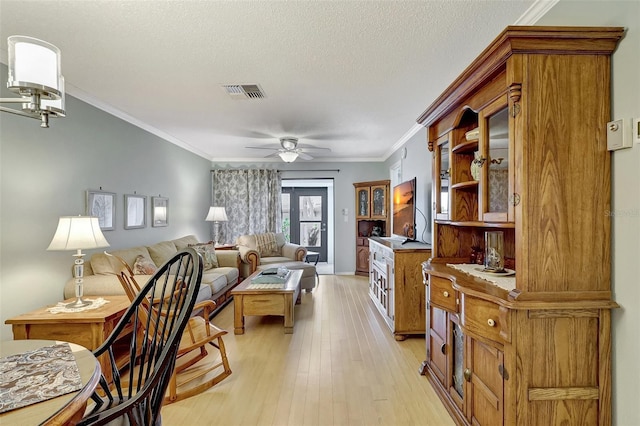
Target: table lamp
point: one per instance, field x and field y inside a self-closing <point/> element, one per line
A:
<point x="77" y="233"/>
<point x="216" y="215"/>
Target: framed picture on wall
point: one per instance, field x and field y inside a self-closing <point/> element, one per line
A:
<point x="135" y="211"/>
<point x="102" y="205"/>
<point x="160" y="211"/>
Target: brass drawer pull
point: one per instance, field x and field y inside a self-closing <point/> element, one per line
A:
<point x="491" y="322"/>
<point x="445" y="293"/>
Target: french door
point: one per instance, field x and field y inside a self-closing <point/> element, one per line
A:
<point x="305" y="212"/>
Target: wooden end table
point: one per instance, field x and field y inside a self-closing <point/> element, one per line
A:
<point x="88" y="328"/>
<point x="266" y="301"/>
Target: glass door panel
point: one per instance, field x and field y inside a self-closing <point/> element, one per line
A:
<point x="286" y="215"/>
<point x="310" y="219"/>
<point x="304" y="215"/>
<point x="495" y="146"/>
<point x="363" y="203"/>
<point x="378" y="202"/>
<point x="498" y="162"/>
<point x="442" y="178"/>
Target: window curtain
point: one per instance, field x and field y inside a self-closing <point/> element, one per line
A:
<point x="251" y="199"/>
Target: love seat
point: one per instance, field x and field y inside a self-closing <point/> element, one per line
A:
<point x="268" y="250"/>
<point x="220" y="276"/>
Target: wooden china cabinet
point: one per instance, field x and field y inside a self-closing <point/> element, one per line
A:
<point x="519" y="146"/>
<point x="372" y="218"/>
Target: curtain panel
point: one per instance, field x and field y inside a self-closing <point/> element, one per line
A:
<point x="251" y="198"/>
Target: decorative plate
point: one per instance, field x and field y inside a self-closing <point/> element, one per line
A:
<point x="505" y="273"/>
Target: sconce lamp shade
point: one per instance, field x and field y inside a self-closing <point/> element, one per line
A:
<point x="35" y="75"/>
<point x="288" y="156"/>
<point x="216" y="214"/>
<point x="78" y="232"/>
<point x="34" y="63"/>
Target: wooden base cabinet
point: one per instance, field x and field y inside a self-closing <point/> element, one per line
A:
<point x="511" y="139"/>
<point x="395" y="284"/>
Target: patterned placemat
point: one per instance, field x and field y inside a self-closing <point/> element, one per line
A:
<point x="265" y="286"/>
<point x="61" y="307"/>
<point x="37" y="375"/>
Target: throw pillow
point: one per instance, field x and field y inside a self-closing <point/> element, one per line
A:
<point x="144" y="266"/>
<point x="208" y="253"/>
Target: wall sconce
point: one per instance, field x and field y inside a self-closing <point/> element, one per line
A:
<point x="216" y="215"/>
<point x="35" y="75"/>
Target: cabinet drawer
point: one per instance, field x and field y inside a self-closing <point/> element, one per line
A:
<point x="483" y="318"/>
<point x="441" y="293"/>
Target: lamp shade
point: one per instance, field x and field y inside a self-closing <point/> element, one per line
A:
<point x="288" y="156"/>
<point x="216" y="214"/>
<point x="78" y="232"/>
<point x="34" y="63"/>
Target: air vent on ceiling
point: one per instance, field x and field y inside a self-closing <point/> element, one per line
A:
<point x="244" y="91"/>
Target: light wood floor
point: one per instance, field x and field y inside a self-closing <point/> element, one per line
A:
<point x="341" y="366"/>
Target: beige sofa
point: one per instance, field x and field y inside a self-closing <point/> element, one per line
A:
<point x="260" y="251"/>
<point x="100" y="272"/>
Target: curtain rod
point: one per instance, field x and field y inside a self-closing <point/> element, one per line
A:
<point x="309" y="170"/>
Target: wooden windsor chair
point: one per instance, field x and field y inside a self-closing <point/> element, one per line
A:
<point x="136" y="395"/>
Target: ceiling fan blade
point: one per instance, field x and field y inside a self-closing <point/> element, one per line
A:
<point x="304" y="156"/>
<point x="273" y="147"/>
<point x="314" y="148"/>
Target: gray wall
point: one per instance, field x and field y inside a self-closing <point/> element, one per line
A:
<point x="626" y="193"/>
<point x="344" y="193"/>
<point x="44" y="174"/>
<point x="417" y="163"/>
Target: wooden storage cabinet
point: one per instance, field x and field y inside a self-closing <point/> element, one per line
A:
<point x="372" y="218"/>
<point x="465" y="358"/>
<point x="395" y="284"/>
<point x="537" y="346"/>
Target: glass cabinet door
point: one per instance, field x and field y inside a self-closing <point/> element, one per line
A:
<point x="496" y="179"/>
<point x="362" y="203"/>
<point x="442" y="178"/>
<point x="378" y="202"/>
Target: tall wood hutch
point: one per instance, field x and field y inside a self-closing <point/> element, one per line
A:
<point x="373" y="218"/>
<point x="519" y="146"/>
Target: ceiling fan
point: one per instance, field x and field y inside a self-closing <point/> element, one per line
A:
<point x="289" y="151"/>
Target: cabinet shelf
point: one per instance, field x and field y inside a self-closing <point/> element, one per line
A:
<point x="471" y="185"/>
<point x="468" y="147"/>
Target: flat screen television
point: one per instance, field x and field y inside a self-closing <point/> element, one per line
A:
<point x="404" y="210"/>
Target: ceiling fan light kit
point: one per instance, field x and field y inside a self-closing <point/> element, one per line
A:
<point x="288" y="156"/>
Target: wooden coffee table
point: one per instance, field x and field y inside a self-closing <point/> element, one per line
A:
<point x="248" y="300"/>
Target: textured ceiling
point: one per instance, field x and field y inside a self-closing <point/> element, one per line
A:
<point x="346" y="75"/>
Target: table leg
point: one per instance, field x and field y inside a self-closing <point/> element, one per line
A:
<point x="288" y="313"/>
<point x="238" y="315"/>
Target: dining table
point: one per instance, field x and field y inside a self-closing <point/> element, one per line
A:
<point x="60" y="410"/>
